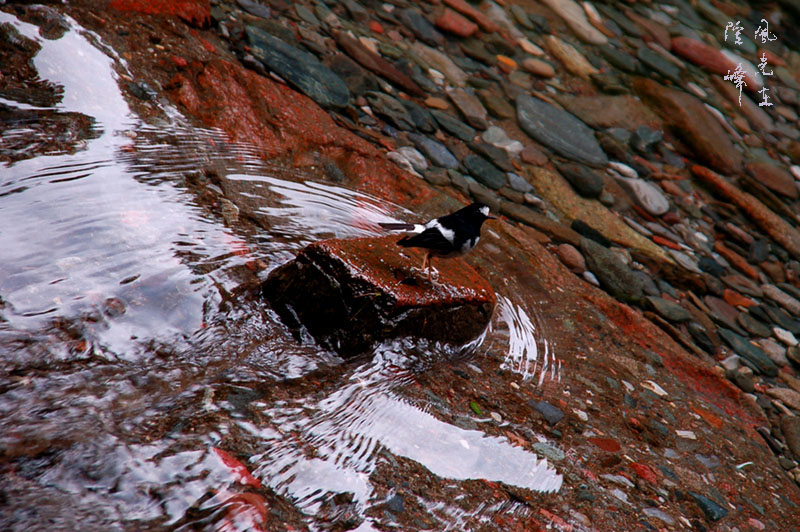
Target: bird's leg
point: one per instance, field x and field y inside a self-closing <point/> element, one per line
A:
<point x="426" y="264"/>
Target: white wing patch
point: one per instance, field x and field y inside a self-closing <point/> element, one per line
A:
<point x="448" y="234"/>
<point x="469" y="244"/>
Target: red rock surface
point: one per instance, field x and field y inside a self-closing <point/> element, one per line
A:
<point x="352" y="293"/>
<point x="197" y="12"/>
<point x="456" y="24"/>
<point x="465" y="9"/>
<point x="773" y="177"/>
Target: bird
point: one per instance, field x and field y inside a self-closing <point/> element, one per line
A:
<point x="451" y="235"/>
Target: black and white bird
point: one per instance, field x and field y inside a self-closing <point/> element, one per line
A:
<point x="451" y="235"/>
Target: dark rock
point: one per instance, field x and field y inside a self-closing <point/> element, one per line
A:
<point x="648" y="285"/>
<point x="420" y="26"/>
<point x="644" y="138"/>
<point x="355" y="77"/>
<point x="584" y="229"/>
<point x="773" y="177"/>
<point x="396" y="504"/>
<point x="349" y="294"/>
<point x="619" y="58"/>
<point x="559" y="131"/>
<point x="453" y="125"/>
<point x="669" y="310"/>
<point x="390" y="110"/>
<point x="751" y="355"/>
<point x="585" y="181"/>
<point x="300" y="69"/>
<point x="420" y="116"/>
<point x="436" y="151"/>
<point x="711" y="509"/>
<point x="497" y="156"/>
<point x="254" y="8"/>
<point x="790" y="425"/>
<point x="614" y="276"/>
<point x="700" y="336"/>
<point x="658" y="64"/>
<point x="782" y="319"/>
<point x="753" y="326"/>
<point x="709" y="265"/>
<point x="475" y="49"/>
<point x="376" y="63"/>
<point x="470" y="106"/>
<point x="497" y="105"/>
<point x="518" y="183"/>
<point x="552" y="414"/>
<point x="484" y="171"/>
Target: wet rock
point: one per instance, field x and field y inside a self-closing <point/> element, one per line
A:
<point x="711" y="509"/>
<point x="753" y="326"/>
<point x="571" y="258"/>
<point x="484" y="171"/>
<point x="440" y="62"/>
<point x="376" y="64"/>
<point x="498" y="138"/>
<point x="782" y="298"/>
<point x="657" y="63"/>
<point x="390" y="110"/>
<point x="574" y="16"/>
<point x="470" y="106"/>
<point x="645" y="138"/>
<point x="571" y="58"/>
<point x="349" y="294"/>
<point x="420" y="26"/>
<point x="647" y="196"/>
<point x="453" y="125"/>
<point x="751" y="355"/>
<point x="422" y="119"/>
<point x="436" y="151"/>
<point x="669" y="310"/>
<point x="619" y="59"/>
<point x="586" y="182"/>
<point x="552" y="414"/>
<point x="688" y="119"/>
<point x="790" y="426"/>
<point x="455" y="23"/>
<point x="559" y="131"/>
<point x="773" y="177"/>
<point x="299" y="68"/>
<point x="614" y="276"/>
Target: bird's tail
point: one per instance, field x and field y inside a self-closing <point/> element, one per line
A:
<point x="396" y="226"/>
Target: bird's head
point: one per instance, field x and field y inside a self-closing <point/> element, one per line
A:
<point x="479" y="212"/>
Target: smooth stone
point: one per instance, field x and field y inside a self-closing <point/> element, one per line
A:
<point x="753" y="326"/>
<point x="533" y="155"/>
<point x="619" y="59"/>
<point x="773" y="177"/>
<point x="575" y="17"/>
<point x="441" y="62"/>
<point x="711" y="509"/>
<point x="498" y="15"/>
<point x="775" y="351"/>
<point x="782" y="298"/>
<point x="647" y="196"/>
<point x="497" y="105"/>
<point x="390" y="109"/>
<point x="702" y="55"/>
<point x="669" y="310"/>
<point x="375" y="63"/>
<point x="538" y="67"/>
<point x="614" y="276"/>
<point x="784" y="336"/>
<point x="299" y="68"/>
<point x="499" y="138"/>
<point x="455" y="23"/>
<point x="658" y="64"/>
<point x="645" y="138"/>
<point x="689" y="119"/>
<point x="753" y="79"/>
<point x="470" y="106"/>
<point x="518" y="183"/>
<point x="254" y="8"/>
<point x="436" y="151"/>
<point x="551" y="452"/>
<point x="420" y="26"/>
<point x="571" y="257"/>
<point x="585" y="181"/>
<point x="453" y="125"/>
<point x="420" y="116"/>
<point x="552" y="414"/>
<point x="559" y="130"/>
<point x="571" y="58"/>
<point x="496" y="155"/>
<point x="484" y="172"/>
<point x="787" y="396"/>
<point x="790" y="426"/>
<point x="414" y="157"/>
<point x="751" y="355"/>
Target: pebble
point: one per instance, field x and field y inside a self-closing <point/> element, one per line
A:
<point x="790" y="426"/>
<point x="571" y="257"/>
<point x="788" y="396"/>
<point x="658" y="514"/>
<point x="552" y="414"/>
<point x="711" y="509"/>
<point x="669" y="310"/>
<point x="575" y="18"/>
<point x="614" y="276"/>
<point x="784" y="336"/>
<point x="751" y="355"/>
<point x="470" y="106"/>
<point x="551" y="452"/>
<point x="585" y="181"/>
<point x="559" y="131"/>
<point x="782" y="298"/>
<point x="455" y="23"/>
<point x="571" y="58"/>
<point x="518" y="183"/>
<point x="484" y="172"/>
<point x="436" y="151"/>
<point x="441" y="62"/>
<point x="647" y="196"/>
<point x="538" y="67"/>
<point x="420" y="26"/>
<point x="497" y="137"/>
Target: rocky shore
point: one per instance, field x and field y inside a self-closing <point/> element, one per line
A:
<point x="657" y="216"/>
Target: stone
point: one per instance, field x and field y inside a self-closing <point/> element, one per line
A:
<point x="497" y="137"/>
<point x="496" y="104"/>
<point x="518" y="183"/>
<point x="574" y="16"/>
<point x="559" y="130"/>
<point x="645" y="138"/>
<point x="744" y="379"/>
<point x="469" y="11"/>
<point x="571" y="58"/>
<point x="585" y="181"/>
<point x="790" y="426"/>
<point x="775" y="351"/>
<point x="751" y="355"/>
<point x="538" y="67"/>
<point x="625" y="112"/>
<point x="784" y="336"/>
<point x="753" y="326"/>
<point x="619" y="59"/>
<point x="712" y="510"/>
<point x="702" y="55"/>
<point x="420" y="117"/>
<point x="533" y="155"/>
<point x="470" y="106"/>
<point x="658" y="63"/>
<point x="453" y="125"/>
<point x="773" y="177"/>
<point x="390" y="110"/>
<point x="414" y="158"/>
<point x="300" y="69"/>
<point x="647" y="196"/>
<point x="571" y="257"/>
<point x="484" y="172"/>
<point x="787" y="396"/>
<point x="419" y="25"/>
<point x="376" y="64"/>
<point x="689" y="120"/>
<point x="441" y="62"/>
<point x="782" y="298"/>
<point x="452" y="22"/>
<point x="436" y="151"/>
<point x="614" y="276"/>
<point x="350" y="294"/>
<point x="552" y="414"/>
<point x="669" y="310"/>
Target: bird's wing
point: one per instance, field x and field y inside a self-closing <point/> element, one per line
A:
<point x="430" y="238"/>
